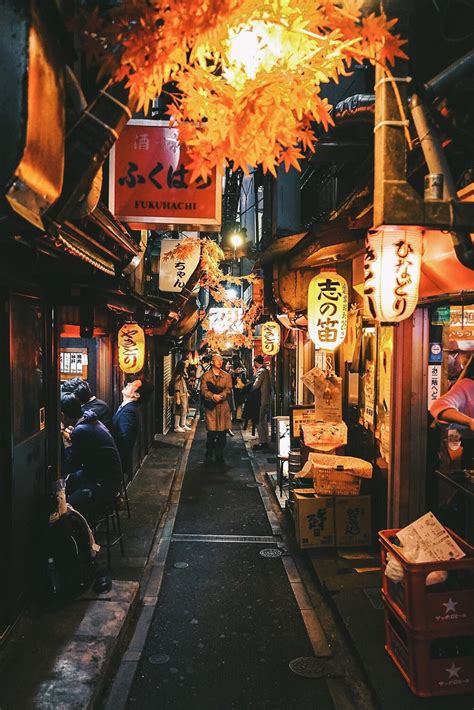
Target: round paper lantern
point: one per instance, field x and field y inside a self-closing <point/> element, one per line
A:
<point x="328" y="300"/>
<point x="131" y="347"/>
<point x="270" y="338"/>
<point x="392" y="272"/>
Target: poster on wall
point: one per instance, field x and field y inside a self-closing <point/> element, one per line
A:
<point x="369" y="394"/>
<point x="328" y="396"/>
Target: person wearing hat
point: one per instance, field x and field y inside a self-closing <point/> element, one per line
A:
<point x="264" y="385"/>
<point x="216" y="385"/>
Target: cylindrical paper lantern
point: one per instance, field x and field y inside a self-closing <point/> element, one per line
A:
<point x="327" y="310"/>
<point x="392" y="272"/>
<point x="270" y="338"/>
<point x="131" y="347"/>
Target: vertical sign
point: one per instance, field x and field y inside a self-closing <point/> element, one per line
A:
<point x="150" y="181"/>
<point x="434" y="383"/>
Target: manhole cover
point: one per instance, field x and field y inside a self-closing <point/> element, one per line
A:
<point x="254" y="485"/>
<point x="180" y="565"/>
<point x="311" y="667"/>
<point x="271" y="552"/>
<point x="158" y="659"/>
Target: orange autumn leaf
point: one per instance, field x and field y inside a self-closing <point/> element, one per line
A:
<point x="250" y="104"/>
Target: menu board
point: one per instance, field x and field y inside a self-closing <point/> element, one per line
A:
<point x="301" y="414"/>
<point x="328" y="397"/>
<point x="73" y="363"/>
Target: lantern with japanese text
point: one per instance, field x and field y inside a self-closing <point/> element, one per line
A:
<point x="270" y="338"/>
<point x="131" y="347"/>
<point x="327" y="309"/>
<point x="392" y="272"/>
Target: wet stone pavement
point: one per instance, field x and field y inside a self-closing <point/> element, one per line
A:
<point x="227" y="624"/>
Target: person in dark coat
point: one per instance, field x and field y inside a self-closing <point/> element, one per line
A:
<point x="89" y="402"/>
<point x="91" y="459"/>
<point x="126" y="420"/>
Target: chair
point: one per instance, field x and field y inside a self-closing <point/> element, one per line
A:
<point x="110" y="518"/>
<point x="125" y="496"/>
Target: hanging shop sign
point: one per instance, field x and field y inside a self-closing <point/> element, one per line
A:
<point x="175" y="272"/>
<point x="392" y="269"/>
<point x="327" y="310"/>
<point x="226" y="320"/>
<point x="131" y="347"/>
<point x="149" y="181"/>
<point x="270" y="338"/>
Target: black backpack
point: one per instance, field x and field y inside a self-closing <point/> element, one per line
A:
<point x="69" y="559"/>
<point x="171" y="388"/>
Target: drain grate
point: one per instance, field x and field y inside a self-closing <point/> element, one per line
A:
<point x="181" y="565"/>
<point x="374" y="595"/>
<point x="254" y="485"/>
<point x="158" y="659"/>
<point x="312" y="667"/>
<point x="271" y="552"/>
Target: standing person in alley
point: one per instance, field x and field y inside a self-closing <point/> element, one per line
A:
<point x="264" y="385"/>
<point x="126" y="420"/>
<point x="179" y="388"/>
<point x="216" y="385"/>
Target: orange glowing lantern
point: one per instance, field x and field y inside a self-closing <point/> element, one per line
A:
<point x="270" y="338"/>
<point x="131" y="347"/>
<point x="392" y="272"/>
<point x="328" y="300"/>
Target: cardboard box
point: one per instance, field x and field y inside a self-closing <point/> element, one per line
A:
<point x="329" y="481"/>
<point x="353" y="519"/>
<point x="314" y="520"/>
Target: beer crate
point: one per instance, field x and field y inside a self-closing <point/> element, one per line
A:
<point x="430" y="608"/>
<point x="431" y="663"/>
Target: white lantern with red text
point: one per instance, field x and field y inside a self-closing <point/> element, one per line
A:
<point x="270" y="338"/>
<point x="328" y="300"/>
<point x="131" y="348"/>
<point x="392" y="269"/>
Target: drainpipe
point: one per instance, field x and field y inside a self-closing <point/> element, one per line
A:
<point x="437" y="86"/>
<point x="436" y="161"/>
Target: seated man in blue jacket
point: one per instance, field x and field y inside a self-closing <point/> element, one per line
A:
<point x="91" y="459"/>
<point x="126" y="420"/>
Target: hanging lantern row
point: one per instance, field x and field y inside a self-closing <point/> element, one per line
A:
<point x="392" y="269"/>
<point x="328" y="301"/>
<point x="131" y="348"/>
<point x="271" y="336"/>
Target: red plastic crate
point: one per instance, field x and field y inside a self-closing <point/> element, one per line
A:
<point x="437" y="607"/>
<point x="417" y="657"/>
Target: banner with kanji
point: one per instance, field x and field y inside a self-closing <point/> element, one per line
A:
<point x="150" y="185"/>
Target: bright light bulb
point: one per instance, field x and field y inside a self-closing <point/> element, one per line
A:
<point x="231" y="294"/>
<point x="236" y="240"/>
<point x="252" y="47"/>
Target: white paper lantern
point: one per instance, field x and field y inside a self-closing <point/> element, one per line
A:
<point x="392" y="272"/>
<point x="327" y="310"/>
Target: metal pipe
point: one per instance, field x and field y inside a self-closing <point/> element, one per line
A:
<point x="431" y="145"/>
<point x="437" y="163"/>
<point x="447" y="77"/>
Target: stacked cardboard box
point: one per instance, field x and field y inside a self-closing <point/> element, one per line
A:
<point x="328" y="521"/>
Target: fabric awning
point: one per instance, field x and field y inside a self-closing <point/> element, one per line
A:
<point x="441" y="271"/>
<point x="280" y="246"/>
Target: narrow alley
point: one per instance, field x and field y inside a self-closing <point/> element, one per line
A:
<point x="227" y="623"/>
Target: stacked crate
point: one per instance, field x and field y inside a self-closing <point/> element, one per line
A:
<point x="430" y="628"/>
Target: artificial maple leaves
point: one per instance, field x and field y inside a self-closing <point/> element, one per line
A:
<point x="247" y="72"/>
